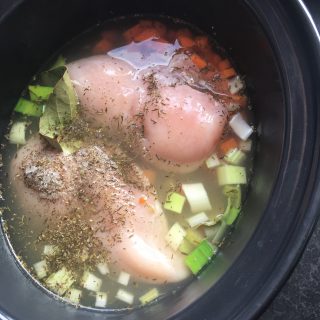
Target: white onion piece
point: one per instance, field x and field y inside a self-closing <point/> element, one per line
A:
<point x="125" y="296"/>
<point x="197" y="220"/>
<point x="101" y="299"/>
<point x="235" y="85"/>
<point x="124" y="278"/>
<point x="197" y="197"/>
<point x="240" y="127"/>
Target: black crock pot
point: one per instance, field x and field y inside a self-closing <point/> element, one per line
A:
<point x="274" y="44"/>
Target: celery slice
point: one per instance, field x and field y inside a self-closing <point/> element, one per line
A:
<point x="149" y="296"/>
<point x="194" y="236"/>
<point x="197" y="220"/>
<point x="60" y="281"/>
<point x="197" y="197"/>
<point x="125" y="296"/>
<point x="186" y="246"/>
<point x="17" y="134"/>
<point x="235" y="156"/>
<point x="175" y="236"/>
<point x="124" y="278"/>
<point x="50" y="250"/>
<point x="41" y="269"/>
<point x="91" y="282"/>
<point x="101" y="299"/>
<point x="220" y="233"/>
<point x="228" y="174"/>
<point x="174" y="202"/>
<point x="28" y="108"/>
<point x="200" y="256"/>
<point x="234" y="203"/>
<point x="213" y="162"/>
<point x="39" y="93"/>
<point x="103" y="268"/>
<point x="73" y="295"/>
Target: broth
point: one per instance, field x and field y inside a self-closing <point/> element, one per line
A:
<point x="179" y="57"/>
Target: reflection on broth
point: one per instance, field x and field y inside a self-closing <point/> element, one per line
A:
<point x="127" y="163"/>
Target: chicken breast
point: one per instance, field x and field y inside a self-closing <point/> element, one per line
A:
<point x="108" y="187"/>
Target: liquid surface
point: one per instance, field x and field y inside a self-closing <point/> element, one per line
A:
<point x="148" y="114"/>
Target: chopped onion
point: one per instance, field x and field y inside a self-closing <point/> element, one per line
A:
<point x="197" y="219"/>
<point x="197" y="197"/>
<point x="235" y="85"/>
<point x="228" y="174"/>
<point x="49" y="250"/>
<point x="124" y="278"/>
<point x="103" y="268"/>
<point x="73" y="295"/>
<point x="60" y="281"/>
<point x="175" y="236"/>
<point x="213" y="161"/>
<point x="125" y="296"/>
<point x="17" y="133"/>
<point x="240" y="127"/>
<point x="101" y="299"/>
<point x="91" y="282"/>
<point x="41" y="269"/>
<point x="235" y="156"/>
<point x="149" y="296"/>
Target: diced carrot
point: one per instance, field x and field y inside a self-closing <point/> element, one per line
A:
<point x="242" y="100"/>
<point x="103" y="46"/>
<point x="198" y="61"/>
<point x="151" y="175"/>
<point x="228" y="73"/>
<point x="202" y="42"/>
<point x="142" y="200"/>
<point x="161" y="28"/>
<point x="209" y="75"/>
<point x="186" y="42"/>
<point x="228" y="145"/>
<point x="224" y="64"/>
<point x="184" y="32"/>
<point x="213" y="58"/>
<point x="171" y="35"/>
<point x="132" y="32"/>
<point x="146" y="34"/>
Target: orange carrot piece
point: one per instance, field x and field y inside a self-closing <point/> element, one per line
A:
<point x="213" y="58"/>
<point x="146" y="34"/>
<point x="209" y="75"/>
<point x="186" y="42"/>
<point x="103" y="46"/>
<point x="228" y="145"/>
<point x="228" y="73"/>
<point x="224" y="64"/>
<point x="161" y="28"/>
<point x="198" y="61"/>
<point x="151" y="175"/>
<point x="202" y="42"/>
<point x="132" y="32"/>
<point x="142" y="200"/>
<point x="184" y="32"/>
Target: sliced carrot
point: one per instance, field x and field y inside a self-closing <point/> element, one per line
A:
<point x="198" y="61"/>
<point x="228" y="145"/>
<point x="228" y="73"/>
<point x="213" y="58"/>
<point x="133" y="31"/>
<point x="146" y="34"/>
<point x="161" y="28"/>
<point x="186" y="42"/>
<point x="151" y="175"/>
<point x="241" y="100"/>
<point x="184" y="32"/>
<point x="224" y="64"/>
<point x="209" y="75"/>
<point x="202" y="42"/>
<point x="142" y="200"/>
<point x="103" y="46"/>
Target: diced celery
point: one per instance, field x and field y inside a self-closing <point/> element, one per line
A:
<point x="245" y="145"/>
<point x="17" y="133"/>
<point x="186" y="246"/>
<point x="91" y="282"/>
<point x="125" y="296"/>
<point x="220" y="234"/>
<point x="29" y="108"/>
<point x="73" y="295"/>
<point x="60" y="281"/>
<point x="40" y="93"/>
<point x="197" y="220"/>
<point x="194" y="236"/>
<point x="197" y="197"/>
<point x="124" y="278"/>
<point x="200" y="256"/>
<point x="235" y="156"/>
<point x="228" y="174"/>
<point x="101" y="299"/>
<point x="49" y="250"/>
<point x="240" y="127"/>
<point x="174" y="202"/>
<point x="175" y="236"/>
<point x="103" y="268"/>
<point x="213" y="161"/>
<point x="149" y="296"/>
<point x="41" y="269"/>
<point x="234" y="203"/>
